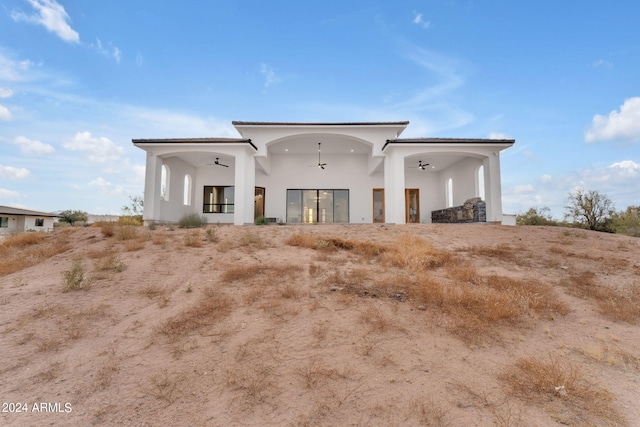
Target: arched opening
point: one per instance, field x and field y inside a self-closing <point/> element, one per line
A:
<point x="187" y="190"/>
<point x="164" y="182"/>
<point x="449" y="191"/>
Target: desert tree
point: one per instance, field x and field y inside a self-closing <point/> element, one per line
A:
<point x="591" y="209"/>
<point x="73" y="216"/>
<point x="535" y="216"/>
<point x="628" y="221"/>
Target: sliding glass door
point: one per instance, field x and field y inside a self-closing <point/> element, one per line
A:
<point x="317" y="206"/>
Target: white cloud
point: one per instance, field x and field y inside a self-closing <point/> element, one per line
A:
<point x="5" y="114"/>
<point x="174" y="124"/>
<point x="619" y="181"/>
<point x="419" y="20"/>
<point x="602" y="63"/>
<point x="531" y="155"/>
<point x="11" y="172"/>
<point x="623" y="125"/>
<point x="99" y="149"/>
<point x="8" y="194"/>
<point x="106" y="187"/>
<point x="524" y="189"/>
<point x="626" y="168"/>
<point x="52" y="16"/>
<point x="5" y="93"/>
<point x="270" y="75"/>
<point x="498" y="135"/>
<point x="31" y="147"/>
<point x="109" y="50"/>
<point x="139" y="59"/>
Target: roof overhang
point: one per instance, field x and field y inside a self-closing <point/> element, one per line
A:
<point x="443" y="142"/>
<point x="141" y="143"/>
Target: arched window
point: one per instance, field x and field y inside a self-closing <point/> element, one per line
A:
<point x="187" y="190"/>
<point x="480" y="181"/>
<point x="164" y="182"/>
<point x="450" y="193"/>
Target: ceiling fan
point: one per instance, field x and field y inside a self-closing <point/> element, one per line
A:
<point x="421" y="165"/>
<point x="217" y="163"/>
<point x="320" y="164"/>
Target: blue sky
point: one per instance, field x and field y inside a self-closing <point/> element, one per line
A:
<point x="80" y="79"/>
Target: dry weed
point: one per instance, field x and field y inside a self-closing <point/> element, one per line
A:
<point x="555" y="378"/>
<point x="416" y="254"/>
<point x="374" y="317"/>
<point x="26" y="249"/>
<point x="253" y="380"/>
<point x="164" y="386"/>
<point x="193" y="239"/>
<point x="621" y="304"/>
<point x="430" y="413"/>
<point x="110" y="262"/>
<point x="212" y="307"/>
<point x="126" y="232"/>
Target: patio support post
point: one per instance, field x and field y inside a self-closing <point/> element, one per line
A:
<point x="153" y="173"/>
<point x="394" y="188"/>
<point x="493" y="192"/>
<point x="245" y="182"/>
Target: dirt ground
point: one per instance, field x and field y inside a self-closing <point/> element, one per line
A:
<point x="339" y="325"/>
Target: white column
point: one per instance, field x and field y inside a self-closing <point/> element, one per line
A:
<point x="493" y="187"/>
<point x="153" y="172"/>
<point x="245" y="182"/>
<point x="394" y="203"/>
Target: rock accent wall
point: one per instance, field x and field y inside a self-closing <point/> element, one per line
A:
<point x="473" y="210"/>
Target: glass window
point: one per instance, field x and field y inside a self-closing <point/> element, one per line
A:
<point x="39" y="222"/>
<point x="4" y="222"/>
<point x="218" y="199"/>
<point x="317" y="206"/>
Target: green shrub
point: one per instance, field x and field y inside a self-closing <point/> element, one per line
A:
<point x="74" y="280"/>
<point x="262" y="221"/>
<point x="536" y="216"/>
<point x="192" y="221"/>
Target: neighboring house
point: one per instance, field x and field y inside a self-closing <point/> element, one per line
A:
<point x="319" y="173"/>
<point x="17" y="220"/>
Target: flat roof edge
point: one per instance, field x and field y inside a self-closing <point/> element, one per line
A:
<point x="243" y="123"/>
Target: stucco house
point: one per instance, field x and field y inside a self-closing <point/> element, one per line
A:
<point x="358" y="172"/>
<point x="17" y="220"/>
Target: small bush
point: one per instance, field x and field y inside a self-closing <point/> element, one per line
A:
<point x="74" y="279"/>
<point x="193" y="239"/>
<point x="126" y="232"/>
<point x="262" y="221"/>
<point x="108" y="229"/>
<point x="192" y="221"/>
<point x="135" y="220"/>
<point x="212" y="235"/>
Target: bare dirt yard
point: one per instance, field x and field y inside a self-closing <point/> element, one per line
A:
<point x="438" y="325"/>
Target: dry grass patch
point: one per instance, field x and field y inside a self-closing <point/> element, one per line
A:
<point x="126" y="232"/>
<point x="254" y="381"/>
<point x="26" y="249"/>
<point x="273" y="272"/>
<point x="110" y="262"/>
<point x="193" y="239"/>
<point x="621" y="304"/>
<point x="376" y="319"/>
<point x="212" y="307"/>
<point x="563" y="390"/>
<point x="328" y="244"/>
<point x="416" y="254"/>
<point x="164" y="386"/>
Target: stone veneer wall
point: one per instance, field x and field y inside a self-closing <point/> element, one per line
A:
<point x="473" y="210"/>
